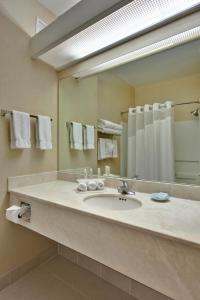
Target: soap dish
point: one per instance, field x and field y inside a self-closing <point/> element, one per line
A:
<point x="160" y="197"/>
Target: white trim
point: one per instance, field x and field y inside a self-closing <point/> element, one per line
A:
<point x="40" y="24"/>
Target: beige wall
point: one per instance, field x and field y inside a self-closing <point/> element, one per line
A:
<point x="77" y="102"/>
<point x="30" y="86"/>
<point x="24" y="12"/>
<point x="183" y="89"/>
<point x="114" y="96"/>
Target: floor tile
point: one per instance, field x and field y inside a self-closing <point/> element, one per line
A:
<point x="60" y="279"/>
<point x="39" y="285"/>
<point x="117" y="279"/>
<point x="84" y="281"/>
<point x="143" y="292"/>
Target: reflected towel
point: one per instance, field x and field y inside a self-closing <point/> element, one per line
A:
<point x="107" y="148"/>
<point x="82" y="187"/>
<point x="115" y="149"/>
<point x="88" y="137"/>
<point x="101" y="148"/>
<point x="100" y="185"/>
<point x="76" y="136"/>
<point x="108" y="124"/>
<point x="110" y="131"/>
<point x="92" y="185"/>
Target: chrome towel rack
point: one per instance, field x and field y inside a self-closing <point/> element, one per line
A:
<point x="4" y="112"/>
<point x="68" y="124"/>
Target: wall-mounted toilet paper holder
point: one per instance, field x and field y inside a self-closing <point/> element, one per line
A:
<point x="15" y="213"/>
<point x="25" y="211"/>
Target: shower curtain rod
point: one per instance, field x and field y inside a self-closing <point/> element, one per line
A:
<point x="177" y="104"/>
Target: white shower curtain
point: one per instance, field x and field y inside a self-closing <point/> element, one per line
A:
<point x="151" y="142"/>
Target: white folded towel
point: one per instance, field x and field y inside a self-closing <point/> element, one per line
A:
<point x="88" y="137"/>
<point x="43" y="133"/>
<point x="110" y="130"/>
<point x="92" y="185"/>
<point x="100" y="185"/>
<point x="76" y="136"/>
<point x="82" y="186"/>
<point x="107" y="148"/>
<point x="115" y="149"/>
<point x="108" y="124"/>
<point x="101" y="148"/>
<point x="20" y="130"/>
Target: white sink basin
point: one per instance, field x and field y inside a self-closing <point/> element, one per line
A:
<point x="112" y="202"/>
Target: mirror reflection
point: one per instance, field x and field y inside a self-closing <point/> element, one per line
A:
<point x="137" y="120"/>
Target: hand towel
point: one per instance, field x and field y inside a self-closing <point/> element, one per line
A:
<point x="92" y="185"/>
<point x="108" y="124"/>
<point x="43" y="133"/>
<point x="88" y="137"/>
<point x="76" y="136"/>
<point x="20" y="130"/>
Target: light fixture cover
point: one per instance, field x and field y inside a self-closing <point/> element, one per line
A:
<point x="154" y="48"/>
<point x="129" y="20"/>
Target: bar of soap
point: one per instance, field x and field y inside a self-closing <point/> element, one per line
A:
<point x="160" y="197"/>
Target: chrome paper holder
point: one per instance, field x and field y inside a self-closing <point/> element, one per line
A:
<point x="25" y="213"/>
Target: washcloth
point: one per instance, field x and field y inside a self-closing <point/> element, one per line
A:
<point x="92" y="185"/>
<point x="20" y="130"/>
<point x="43" y="133"/>
<point x="88" y="137"/>
<point x="100" y="185"/>
<point x="82" y="186"/>
<point x="76" y="136"/>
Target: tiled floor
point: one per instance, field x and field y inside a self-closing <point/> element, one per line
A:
<point x="59" y="279"/>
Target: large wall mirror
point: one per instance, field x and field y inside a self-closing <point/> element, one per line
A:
<point x="153" y="103"/>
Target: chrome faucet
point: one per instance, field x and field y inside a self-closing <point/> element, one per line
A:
<point x="124" y="188"/>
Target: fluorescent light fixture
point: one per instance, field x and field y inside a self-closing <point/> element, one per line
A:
<point x="131" y="19"/>
<point x="162" y="45"/>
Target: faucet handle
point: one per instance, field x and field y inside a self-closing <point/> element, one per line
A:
<point x="124" y="188"/>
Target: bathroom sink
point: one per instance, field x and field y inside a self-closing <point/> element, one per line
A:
<point x="112" y="202"/>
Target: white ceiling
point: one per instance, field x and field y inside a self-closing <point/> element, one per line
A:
<point x="58" y="7"/>
<point x="180" y="61"/>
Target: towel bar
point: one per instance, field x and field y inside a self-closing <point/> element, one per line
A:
<point x="4" y="112"/>
<point x="84" y="125"/>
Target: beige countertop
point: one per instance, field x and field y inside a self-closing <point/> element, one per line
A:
<point x="177" y="219"/>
